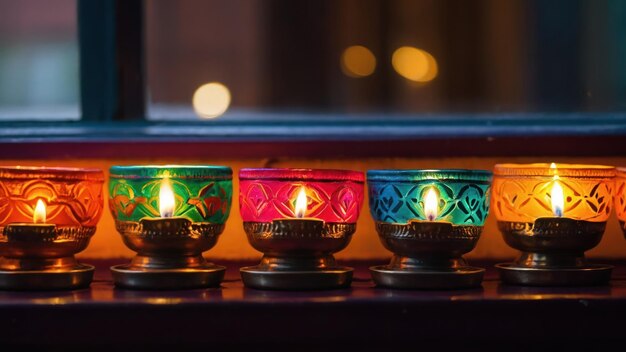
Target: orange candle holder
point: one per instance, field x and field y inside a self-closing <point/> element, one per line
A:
<point x="553" y="213"/>
<point x="46" y="216"/>
<point x="620" y="197"/>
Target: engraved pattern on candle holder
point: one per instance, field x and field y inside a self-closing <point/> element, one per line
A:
<point x="523" y="199"/>
<point x="399" y="202"/>
<point x="70" y="202"/>
<point x="407" y="231"/>
<point x="273" y="230"/>
<point x="266" y="200"/>
<point x="195" y="230"/>
<point x="198" y="198"/>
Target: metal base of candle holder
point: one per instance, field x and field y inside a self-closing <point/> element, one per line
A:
<point x="169" y="255"/>
<point x="207" y="275"/>
<point x="588" y="275"/>
<point x="427" y="255"/>
<point x="260" y="278"/>
<point x="41" y="257"/>
<point x="79" y="276"/>
<point x="298" y="255"/>
<point x="553" y="253"/>
<point x="462" y="277"/>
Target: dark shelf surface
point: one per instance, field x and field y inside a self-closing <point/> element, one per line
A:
<point x="363" y="315"/>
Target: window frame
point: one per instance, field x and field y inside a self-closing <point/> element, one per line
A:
<point x="112" y="74"/>
<point x="113" y="124"/>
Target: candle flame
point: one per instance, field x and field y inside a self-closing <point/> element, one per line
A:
<point x="556" y="195"/>
<point x="431" y="201"/>
<point x="167" y="201"/>
<point x="301" y="203"/>
<point x="39" y="216"/>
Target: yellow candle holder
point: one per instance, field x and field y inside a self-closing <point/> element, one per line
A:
<point x="553" y="214"/>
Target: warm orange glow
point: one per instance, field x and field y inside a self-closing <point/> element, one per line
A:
<point x="39" y="216"/>
<point x="414" y="64"/>
<point x="358" y="61"/>
<point x="431" y="204"/>
<point x="211" y="100"/>
<point x="301" y="203"/>
<point x="167" y="201"/>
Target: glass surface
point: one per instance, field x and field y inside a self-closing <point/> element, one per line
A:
<point x="524" y="192"/>
<point x="461" y="197"/>
<point x="335" y="196"/>
<point x="398" y="57"/>
<point x="38" y="60"/>
<point x="71" y="197"/>
<point x="201" y="193"/>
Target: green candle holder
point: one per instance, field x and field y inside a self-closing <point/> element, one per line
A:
<point x="169" y="215"/>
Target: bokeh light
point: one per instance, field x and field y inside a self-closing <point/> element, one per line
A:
<point x="358" y="61"/>
<point x="211" y="100"/>
<point x="414" y="64"/>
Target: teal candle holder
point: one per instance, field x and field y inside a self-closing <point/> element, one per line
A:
<point x="428" y="219"/>
<point x="169" y="215"/>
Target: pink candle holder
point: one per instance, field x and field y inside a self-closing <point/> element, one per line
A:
<point x="298" y="218"/>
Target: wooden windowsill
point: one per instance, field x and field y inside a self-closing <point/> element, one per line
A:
<point x="362" y="317"/>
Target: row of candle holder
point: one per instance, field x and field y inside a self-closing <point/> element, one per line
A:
<point x="298" y="218"/>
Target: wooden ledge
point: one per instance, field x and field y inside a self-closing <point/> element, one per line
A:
<point x="363" y="316"/>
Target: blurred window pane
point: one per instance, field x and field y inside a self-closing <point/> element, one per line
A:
<point x="38" y="60"/>
<point x="390" y="56"/>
